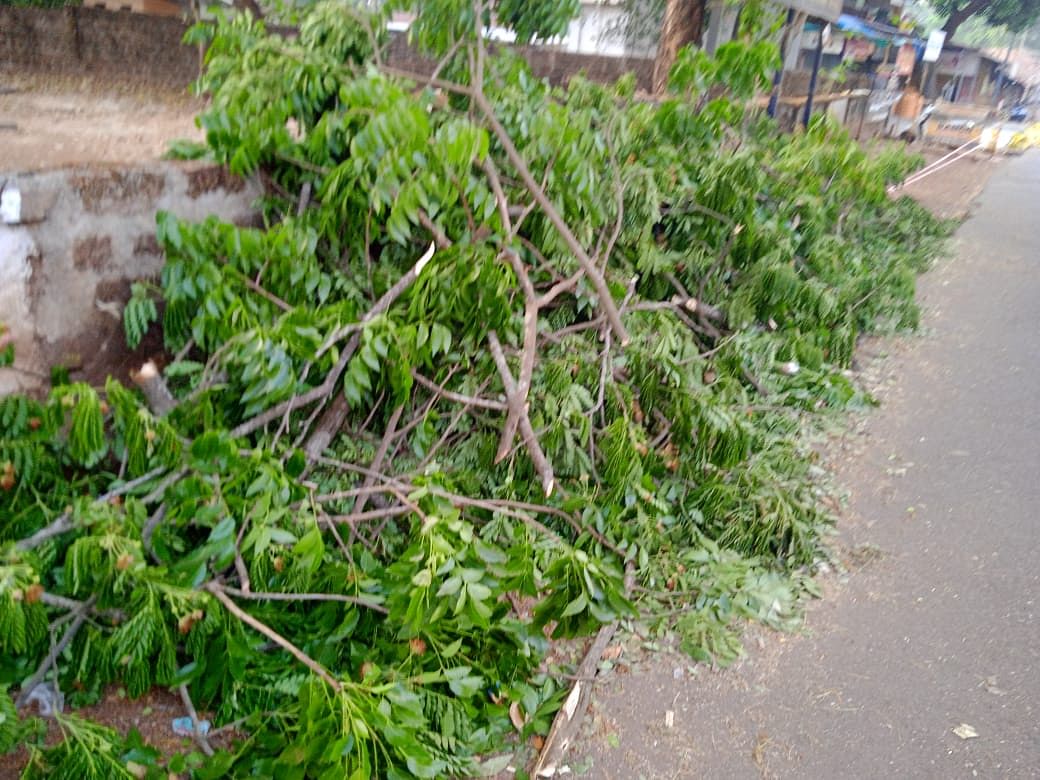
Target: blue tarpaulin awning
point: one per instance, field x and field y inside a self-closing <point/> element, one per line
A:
<point x="881" y="34"/>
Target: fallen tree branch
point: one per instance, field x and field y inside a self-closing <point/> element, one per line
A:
<point x="64" y="522"/>
<point x="692" y="305"/>
<point x="81" y="613"/>
<point x="325" y="388"/>
<point x="377" y="460"/>
<point x="371" y="514"/>
<point x="160" y="399"/>
<point x="606" y="300"/>
<point x="467" y="400"/>
<point x="719" y="259"/>
<point x="568" y="720"/>
<point x="275" y="596"/>
<point x="518" y="405"/>
<point x="153" y="522"/>
<point x="219" y="593"/>
<point x="517" y="398"/>
<point x="196" y="726"/>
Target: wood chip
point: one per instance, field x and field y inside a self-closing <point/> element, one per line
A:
<point x="516" y="717"/>
<point x="964" y="731"/>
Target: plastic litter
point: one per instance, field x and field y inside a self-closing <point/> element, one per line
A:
<point x="10" y="205"/>
<point x="48" y="697"/>
<point x="183" y="727"/>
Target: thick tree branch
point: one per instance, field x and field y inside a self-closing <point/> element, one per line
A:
<point x="518" y="405"/>
<point x="160" y="399"/>
<point x="606" y="300"/>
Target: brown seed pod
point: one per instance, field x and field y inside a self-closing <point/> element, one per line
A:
<point x="33" y="593"/>
<point x="637" y="412"/>
<point x="185" y="624"/>
<point x="417" y="645"/>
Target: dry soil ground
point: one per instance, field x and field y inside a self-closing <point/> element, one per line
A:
<point x="46" y="123"/>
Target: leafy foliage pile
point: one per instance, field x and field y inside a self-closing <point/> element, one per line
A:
<point x="505" y="362"/>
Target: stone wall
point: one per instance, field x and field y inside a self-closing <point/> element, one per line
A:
<point x="126" y="46"/>
<point x="80" y="238"/>
<point x="94" y="42"/>
<point x="554" y="65"/>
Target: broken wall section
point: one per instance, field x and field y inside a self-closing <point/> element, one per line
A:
<point x="71" y="243"/>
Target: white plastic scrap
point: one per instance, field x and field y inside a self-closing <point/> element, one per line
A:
<point x="48" y="697"/>
<point x="10" y="205"/>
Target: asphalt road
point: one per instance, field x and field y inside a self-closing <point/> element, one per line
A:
<point x="940" y="624"/>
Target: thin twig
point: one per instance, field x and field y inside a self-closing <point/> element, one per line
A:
<point x="196" y="725"/>
<point x="218" y="592"/>
<point x="719" y="259"/>
<point x="467" y="400"/>
<point x="326" y="387"/>
<point x="275" y="596"/>
<point x="370" y="514"/>
<point x="377" y="460"/>
<point x="265" y="293"/>
<point x="153" y="522"/>
<point x="81" y="613"/>
<point x="64" y="522"/>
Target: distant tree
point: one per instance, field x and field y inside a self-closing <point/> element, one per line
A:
<point x="1016" y="15"/>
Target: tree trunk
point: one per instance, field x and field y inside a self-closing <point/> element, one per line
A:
<point x="249" y="5"/>
<point x="683" y="25"/>
<point x="960" y="16"/>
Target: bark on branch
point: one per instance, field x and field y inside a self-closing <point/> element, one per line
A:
<point x="63" y="522"/>
<point x="518" y="407"/>
<point x="599" y="282"/>
<point x="325" y="388"/>
<point x="160" y="399"/>
<point x="219" y="593"/>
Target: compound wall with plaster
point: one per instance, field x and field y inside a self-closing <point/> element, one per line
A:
<point x="71" y="243"/>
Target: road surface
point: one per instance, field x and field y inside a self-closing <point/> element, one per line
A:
<point x="939" y="627"/>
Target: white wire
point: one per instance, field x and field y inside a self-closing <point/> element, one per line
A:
<point x="920" y="175"/>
